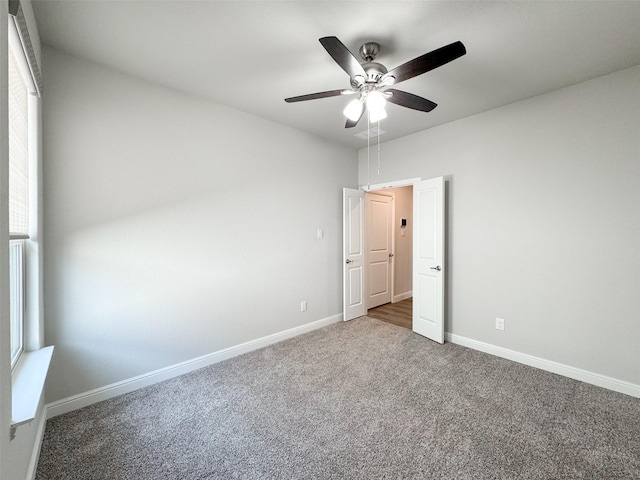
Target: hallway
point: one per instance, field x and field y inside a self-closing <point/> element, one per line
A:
<point x="395" y="313"/>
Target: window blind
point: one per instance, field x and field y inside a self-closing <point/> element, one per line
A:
<point x="16" y="12"/>
<point x="18" y="150"/>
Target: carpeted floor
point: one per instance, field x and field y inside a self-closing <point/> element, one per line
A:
<point x="361" y="399"/>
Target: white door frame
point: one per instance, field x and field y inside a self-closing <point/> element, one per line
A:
<point x="398" y="183"/>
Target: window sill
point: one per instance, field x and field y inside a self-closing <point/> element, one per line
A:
<point x="27" y="385"/>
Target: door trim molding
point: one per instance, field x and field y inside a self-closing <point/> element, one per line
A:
<point x="395" y="184"/>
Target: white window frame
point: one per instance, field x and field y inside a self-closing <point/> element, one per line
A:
<point x="17" y="299"/>
<point x="29" y="373"/>
<point x="25" y="289"/>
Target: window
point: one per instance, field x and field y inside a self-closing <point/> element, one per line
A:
<point x="16" y="299"/>
<point x="18" y="145"/>
<point x="20" y="88"/>
<point x="30" y="359"/>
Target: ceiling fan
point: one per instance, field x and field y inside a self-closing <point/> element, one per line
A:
<point x="373" y="82"/>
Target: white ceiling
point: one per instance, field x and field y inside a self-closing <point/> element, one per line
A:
<point x="251" y="55"/>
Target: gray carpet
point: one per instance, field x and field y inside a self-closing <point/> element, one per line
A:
<point x="361" y="399"/>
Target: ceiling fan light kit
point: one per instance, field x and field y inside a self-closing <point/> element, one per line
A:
<point x="353" y="110"/>
<point x="373" y="82"/>
<point x="375" y="105"/>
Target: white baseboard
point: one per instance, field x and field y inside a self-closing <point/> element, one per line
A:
<point x="35" y="454"/>
<point x="113" y="390"/>
<point x="109" y="391"/>
<point x="548" y="365"/>
<point x="402" y="296"/>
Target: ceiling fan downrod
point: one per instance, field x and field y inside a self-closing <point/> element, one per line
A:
<point x="374" y="70"/>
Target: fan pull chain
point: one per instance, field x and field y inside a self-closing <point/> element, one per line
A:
<point x="368" y="162"/>
<point x="378" y="147"/>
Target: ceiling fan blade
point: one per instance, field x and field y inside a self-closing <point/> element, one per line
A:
<point x="313" y="96"/>
<point x="426" y="62"/>
<point x="352" y="123"/>
<point x="343" y="57"/>
<point x="410" y="100"/>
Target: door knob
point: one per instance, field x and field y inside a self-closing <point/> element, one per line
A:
<point x="436" y="268"/>
<point x="390" y="255"/>
<point x="349" y="261"/>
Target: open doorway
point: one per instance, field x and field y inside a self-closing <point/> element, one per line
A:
<point x="428" y="256"/>
<point x="389" y="254"/>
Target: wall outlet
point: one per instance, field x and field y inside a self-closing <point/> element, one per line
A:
<point x="303" y="306"/>
<point x="320" y="233"/>
<point x="499" y="323"/>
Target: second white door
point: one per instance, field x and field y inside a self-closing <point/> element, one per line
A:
<point x="355" y="302"/>
<point x="379" y="228"/>
<point x="428" y="258"/>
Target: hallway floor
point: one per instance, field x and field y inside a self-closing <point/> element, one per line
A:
<point x="395" y="313"/>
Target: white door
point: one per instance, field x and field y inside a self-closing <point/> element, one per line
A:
<point x="353" y="254"/>
<point x="378" y="227"/>
<point x="428" y="258"/>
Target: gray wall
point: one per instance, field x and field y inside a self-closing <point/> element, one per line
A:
<point x="543" y="222"/>
<point x="403" y="266"/>
<point x="403" y="254"/>
<point x="176" y="227"/>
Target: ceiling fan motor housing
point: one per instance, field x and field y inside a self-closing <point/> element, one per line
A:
<point x="374" y="71"/>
